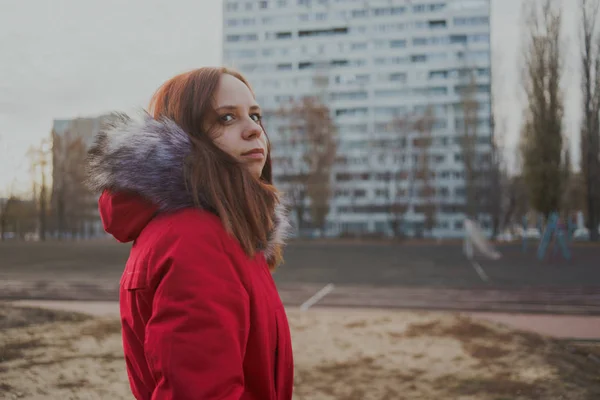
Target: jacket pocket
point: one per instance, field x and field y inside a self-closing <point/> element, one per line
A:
<point x="134" y="279"/>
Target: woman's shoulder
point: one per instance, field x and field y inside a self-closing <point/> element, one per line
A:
<point x="188" y="225"/>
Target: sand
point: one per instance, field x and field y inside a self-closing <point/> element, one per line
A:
<point x="339" y="354"/>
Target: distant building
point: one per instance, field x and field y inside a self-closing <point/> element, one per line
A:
<point x="74" y="211"/>
<point x="380" y="60"/>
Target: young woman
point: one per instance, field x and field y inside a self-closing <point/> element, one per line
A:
<point x="191" y="186"/>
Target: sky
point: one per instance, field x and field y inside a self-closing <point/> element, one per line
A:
<point x="70" y="58"/>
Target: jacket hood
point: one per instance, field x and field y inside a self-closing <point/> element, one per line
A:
<point x="144" y="159"/>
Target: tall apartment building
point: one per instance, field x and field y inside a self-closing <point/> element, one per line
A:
<point x="382" y="61"/>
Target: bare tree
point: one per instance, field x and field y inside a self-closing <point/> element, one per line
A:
<point x="517" y="201"/>
<point x="590" y="129"/>
<point x="423" y="125"/>
<point x="39" y="156"/>
<point x="468" y="142"/>
<point x="6" y="205"/>
<point x="411" y="142"/>
<point x="399" y="151"/>
<point x="290" y="175"/>
<point x="542" y="134"/>
<point x="495" y="180"/>
<point x="71" y="200"/>
<point x="311" y="121"/>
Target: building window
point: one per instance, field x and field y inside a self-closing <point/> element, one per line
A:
<point x="438" y="91"/>
<point x="283" y="35"/>
<point x="391" y="93"/>
<point x="438" y="74"/>
<point x="349" y="96"/>
<point x="483" y="72"/>
<point x="358" y="46"/>
<point x="471" y="21"/>
<point x="360" y="13"/>
<point x="241" y="38"/>
<point x="482" y="38"/>
<point x="284" y="67"/>
<point x="398" y="77"/>
<point x="263" y="4"/>
<point x="419" y="41"/>
<point x="436" y="7"/>
<point x="232" y="6"/>
<point x="418" y="58"/>
<point x="396" y="44"/>
<point x="435" y="24"/>
<point x="458" y="39"/>
<point x="305" y="65"/>
<point x="352" y="112"/>
<point x="323" y="32"/>
<point x="378" y="12"/>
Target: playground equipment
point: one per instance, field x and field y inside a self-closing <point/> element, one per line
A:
<point x="555" y="235"/>
<point x="475" y="240"/>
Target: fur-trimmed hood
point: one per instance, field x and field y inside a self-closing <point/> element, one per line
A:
<point x="146" y="156"/>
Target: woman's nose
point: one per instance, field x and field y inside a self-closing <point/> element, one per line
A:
<point x="253" y="131"/>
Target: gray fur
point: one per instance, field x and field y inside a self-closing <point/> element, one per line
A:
<point x="146" y="156"/>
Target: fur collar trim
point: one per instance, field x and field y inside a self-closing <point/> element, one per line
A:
<point x="146" y="156"/>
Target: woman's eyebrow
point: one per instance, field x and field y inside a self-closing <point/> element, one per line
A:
<point x="231" y="107"/>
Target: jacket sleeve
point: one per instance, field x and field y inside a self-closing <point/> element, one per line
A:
<point x="196" y="336"/>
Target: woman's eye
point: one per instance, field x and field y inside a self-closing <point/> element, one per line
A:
<point x="256" y="117"/>
<point x="227" y="118"/>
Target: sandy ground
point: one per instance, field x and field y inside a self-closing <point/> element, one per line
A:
<point x="339" y="354"/>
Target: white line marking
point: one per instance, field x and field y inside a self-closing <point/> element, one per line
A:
<point x="316" y="297"/>
<point x="480" y="271"/>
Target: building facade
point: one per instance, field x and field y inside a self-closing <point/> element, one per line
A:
<point x="378" y="63"/>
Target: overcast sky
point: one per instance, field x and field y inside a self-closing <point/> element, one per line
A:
<point x="69" y="58"/>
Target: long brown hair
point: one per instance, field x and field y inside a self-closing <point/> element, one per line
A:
<point x="215" y="179"/>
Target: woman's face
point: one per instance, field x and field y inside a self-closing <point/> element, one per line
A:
<point x="240" y="133"/>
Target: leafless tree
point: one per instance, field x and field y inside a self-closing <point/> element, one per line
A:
<point x="423" y="125"/>
<point x="39" y="157"/>
<point x="288" y="164"/>
<point x="542" y="131"/>
<point x="495" y="181"/>
<point x="314" y="131"/>
<point x="411" y="141"/>
<point x="71" y="201"/>
<point x="6" y="206"/>
<point x="590" y="129"/>
<point x="468" y="142"/>
<point x="398" y="149"/>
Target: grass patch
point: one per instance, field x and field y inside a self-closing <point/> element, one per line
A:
<point x="73" y="385"/>
<point x="16" y="350"/>
<point x="20" y="317"/>
<point x="499" y="385"/>
<point x="102" y="329"/>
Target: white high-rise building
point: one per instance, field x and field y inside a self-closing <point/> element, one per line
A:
<point x="383" y="60"/>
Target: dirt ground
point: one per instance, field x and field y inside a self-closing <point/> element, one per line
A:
<point x="339" y="354"/>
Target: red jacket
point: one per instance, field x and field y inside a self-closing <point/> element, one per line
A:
<point x="200" y="319"/>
